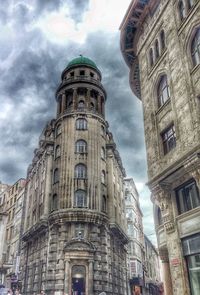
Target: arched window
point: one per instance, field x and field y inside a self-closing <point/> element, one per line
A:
<point x="103" y="153"/>
<point x="151" y="61"/>
<point x="57" y="151"/>
<point x="182" y="10"/>
<point x="157" y="49"/>
<point x="103" y="176"/>
<point x="195" y="48"/>
<point x="81" y="146"/>
<point x="92" y="107"/>
<point x="80" y="199"/>
<point x="80" y="171"/>
<point x="81" y="104"/>
<point x="162" y="39"/>
<point x="104" y="204"/>
<point x="54" y="202"/>
<point x="81" y="124"/>
<point x="56" y="176"/>
<point x="163" y="92"/>
<point x="58" y="130"/>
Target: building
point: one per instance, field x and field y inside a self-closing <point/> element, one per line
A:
<point x="136" y="255"/>
<point x="160" y="42"/>
<point x="4" y="188"/>
<point x="74" y="224"/>
<point x="14" y="202"/>
<point x="153" y="284"/>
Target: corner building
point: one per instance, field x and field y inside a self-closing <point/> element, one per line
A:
<point x="160" y="42"/>
<point x="74" y="233"/>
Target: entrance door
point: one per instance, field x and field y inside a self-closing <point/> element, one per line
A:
<point x="78" y="286"/>
<point x="78" y="280"/>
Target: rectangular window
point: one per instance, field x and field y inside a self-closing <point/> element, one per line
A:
<point x="187" y="197"/>
<point x="79" y="230"/>
<point x="191" y="251"/>
<point x="168" y="139"/>
<point x="82" y="73"/>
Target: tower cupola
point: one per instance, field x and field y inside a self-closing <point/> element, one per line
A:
<point x="81" y="89"/>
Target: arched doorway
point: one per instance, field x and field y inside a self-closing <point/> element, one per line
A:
<point x="78" y="280"/>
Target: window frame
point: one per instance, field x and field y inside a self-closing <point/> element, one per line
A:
<point x="81" y="124"/>
<point x="80" y="171"/>
<point x="55" y="175"/>
<point x="195" y="47"/>
<point x="80" y="199"/>
<point x="163" y="91"/>
<point x="185" y="202"/>
<point x="166" y="142"/>
<point x="81" y="146"/>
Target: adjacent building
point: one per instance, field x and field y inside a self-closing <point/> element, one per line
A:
<point x="74" y="233"/>
<point x="143" y="258"/>
<point x="136" y="255"/>
<point x="160" y="42"/>
<point x="4" y="188"/>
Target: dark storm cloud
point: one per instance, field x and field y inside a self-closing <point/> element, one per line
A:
<point x="29" y="83"/>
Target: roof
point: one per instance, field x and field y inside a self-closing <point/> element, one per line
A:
<point x="129" y="29"/>
<point x="81" y="60"/>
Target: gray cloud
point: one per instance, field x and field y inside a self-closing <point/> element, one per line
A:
<point x="30" y="82"/>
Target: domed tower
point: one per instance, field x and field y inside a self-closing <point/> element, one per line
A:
<point x="84" y="238"/>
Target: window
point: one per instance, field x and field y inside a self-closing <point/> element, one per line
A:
<point x="162" y="39"/>
<point x="91" y="74"/>
<point x="163" y="92"/>
<point x="81" y="146"/>
<point x="182" y="11"/>
<point x="80" y="199"/>
<point x="79" y="230"/>
<point x="104" y="204"/>
<point x="82" y="73"/>
<point x="81" y="124"/>
<point x="56" y="176"/>
<point x="191" y="251"/>
<point x="80" y="171"/>
<point x="169" y="139"/>
<point x="57" y="151"/>
<point x="195" y="48"/>
<point x="187" y="197"/>
<point x="72" y="74"/>
<point x="54" y="202"/>
<point x="151" y="61"/>
<point x="103" y="176"/>
<point x="103" y="153"/>
<point x="157" y="49"/>
<point x="58" y="130"/>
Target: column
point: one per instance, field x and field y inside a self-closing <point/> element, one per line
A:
<point x="64" y="105"/>
<point x="90" y="278"/>
<point x="88" y="99"/>
<point x="48" y="180"/>
<point x="74" y="99"/>
<point x="67" y="290"/>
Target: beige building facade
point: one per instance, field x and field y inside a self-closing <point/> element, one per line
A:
<point x="160" y="42"/>
<point x="74" y="232"/>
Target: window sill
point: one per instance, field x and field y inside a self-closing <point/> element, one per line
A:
<point x="163" y="106"/>
<point x="188" y="213"/>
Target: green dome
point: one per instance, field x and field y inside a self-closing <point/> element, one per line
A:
<point x="81" y="60"/>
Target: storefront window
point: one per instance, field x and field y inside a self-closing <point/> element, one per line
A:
<point x="191" y="251"/>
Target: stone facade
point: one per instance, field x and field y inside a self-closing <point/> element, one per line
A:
<point x="11" y="205"/>
<point x="4" y="188"/>
<point x="74" y="231"/>
<point x="160" y="43"/>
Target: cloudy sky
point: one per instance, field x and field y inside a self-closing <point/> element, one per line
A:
<point x="38" y="39"/>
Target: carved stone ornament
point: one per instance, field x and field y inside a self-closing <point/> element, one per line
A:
<point x="79" y="245"/>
